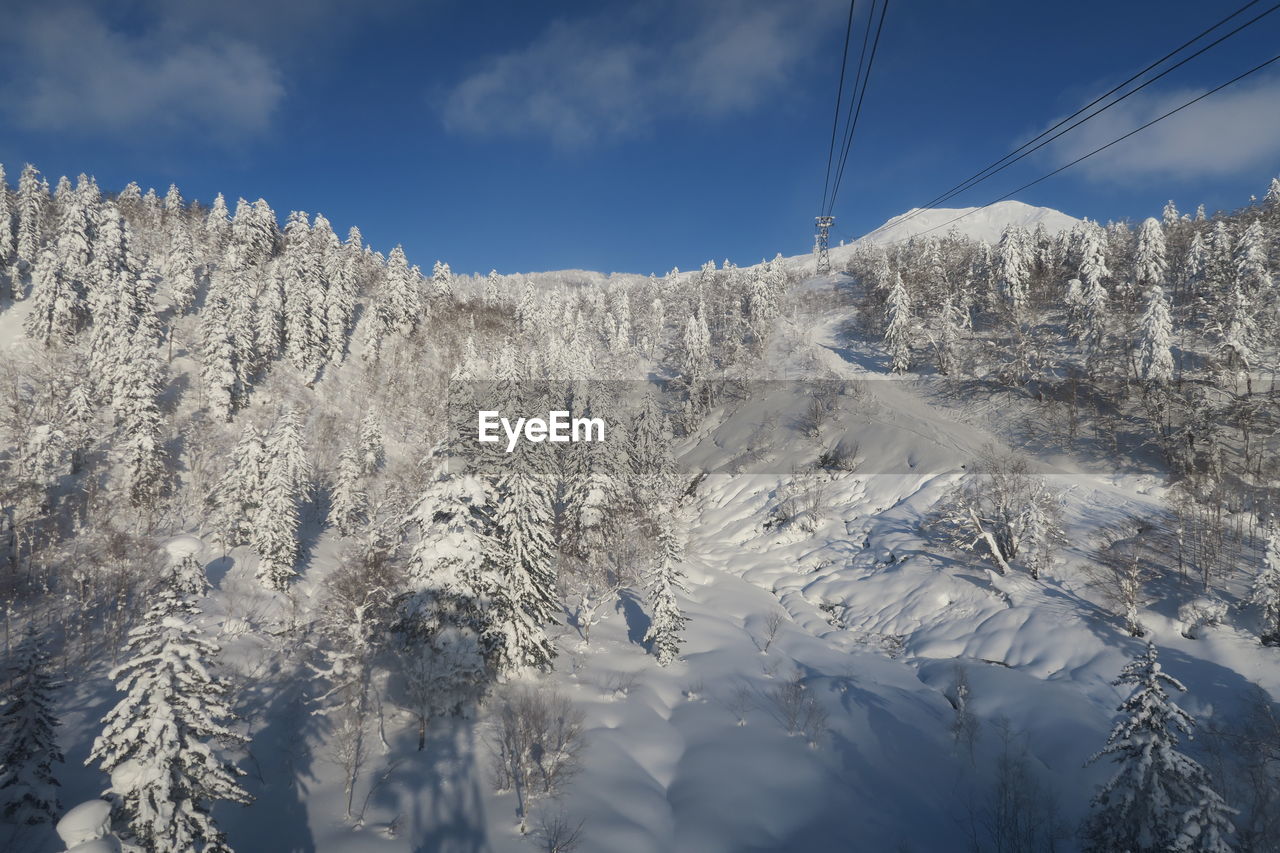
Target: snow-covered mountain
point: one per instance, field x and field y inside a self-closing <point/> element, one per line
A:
<point x="977" y="223"/>
<point x="980" y="224"/>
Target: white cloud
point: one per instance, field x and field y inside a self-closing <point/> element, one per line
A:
<point x="1233" y="132"/>
<point x="614" y="73"/>
<point x="68" y="70"/>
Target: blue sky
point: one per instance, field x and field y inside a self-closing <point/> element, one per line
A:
<point x="614" y="135"/>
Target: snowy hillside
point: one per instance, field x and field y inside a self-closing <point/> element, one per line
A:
<point x="976" y="224"/>
<point x="875" y="560"/>
<point x="985" y="224"/>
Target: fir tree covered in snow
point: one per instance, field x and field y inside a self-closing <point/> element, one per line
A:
<point x="1150" y="263"/>
<point x="899" y="327"/>
<point x="1159" y="799"/>
<point x="372" y="449"/>
<point x="1266" y="587"/>
<point x="159" y="743"/>
<point x="28" y="743"/>
<point x="187" y="576"/>
<point x="525" y="522"/>
<point x="464" y="578"/>
<point x="349" y="502"/>
<point x="667" y="622"/>
<point x="275" y="527"/>
<point x="1155" y="340"/>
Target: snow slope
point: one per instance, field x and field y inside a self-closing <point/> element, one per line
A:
<point x="694" y="757"/>
<point x="978" y="223"/>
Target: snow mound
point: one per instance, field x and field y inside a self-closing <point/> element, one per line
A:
<point x="90" y="821"/>
<point x="183" y="546"/>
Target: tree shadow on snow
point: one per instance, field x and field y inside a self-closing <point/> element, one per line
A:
<point x="216" y="570"/>
<point x="434" y="797"/>
<point x="279" y="769"/>
<point x="637" y="620"/>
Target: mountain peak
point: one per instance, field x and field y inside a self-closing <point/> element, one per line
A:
<point x="979" y="223"/>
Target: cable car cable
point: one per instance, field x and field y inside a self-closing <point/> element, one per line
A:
<point x="835" y="119"/>
<point x="1115" y="141"/>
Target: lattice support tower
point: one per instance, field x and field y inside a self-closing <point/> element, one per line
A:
<point x="821" y="242"/>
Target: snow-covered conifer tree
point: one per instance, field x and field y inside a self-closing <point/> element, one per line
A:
<point x="174" y="207"/>
<point x="187" y="577"/>
<point x="304" y="298"/>
<point x="492" y="289"/>
<point x="138" y="412"/>
<point x="372" y="448"/>
<point x="8" y="280"/>
<point x="651" y="465"/>
<point x="1159" y="799"/>
<point x="667" y="621"/>
<point x="158" y="743"/>
<point x="28" y="744"/>
<point x="1266" y="586"/>
<point x="397" y="308"/>
<point x="1251" y="262"/>
<point x="350" y="503"/>
<point x="218" y="372"/>
<point x="1271" y="201"/>
<point x="1170" y="217"/>
<point x="1149" y="263"/>
<point x="339" y="264"/>
<point x="217" y="227"/>
<point x="696" y="352"/>
<point x="441" y="281"/>
<point x="1194" y="265"/>
<point x="1093" y="268"/>
<point x="180" y="268"/>
<point x="1155" y="340"/>
<point x="275" y="529"/>
<point x="57" y="308"/>
<point x="1012" y="269"/>
<point x="464" y="578"/>
<point x="238" y="494"/>
<point x="524" y="525"/>
<point x="33" y="197"/>
<point x="1095" y="320"/>
<point x="1077" y="308"/>
<point x="1220" y="268"/>
<point x="899" y="327"/>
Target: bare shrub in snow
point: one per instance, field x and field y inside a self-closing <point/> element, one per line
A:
<point x="798" y="710"/>
<point x="772" y="624"/>
<point x="1121" y="571"/>
<point x="1004" y="511"/>
<point x="801" y="501"/>
<point x="1020" y="814"/>
<point x="1201" y="613"/>
<point x="841" y="456"/>
<point x="619" y="684"/>
<point x="556" y="832"/>
<point x="1243" y="756"/>
<point x="966" y="727"/>
<point x="740" y="703"/>
<point x="817" y="412"/>
<point x="535" y="738"/>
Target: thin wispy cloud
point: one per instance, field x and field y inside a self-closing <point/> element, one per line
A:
<point x="69" y="70"/>
<point x="613" y="74"/>
<point x="1231" y="133"/>
<point x="214" y="71"/>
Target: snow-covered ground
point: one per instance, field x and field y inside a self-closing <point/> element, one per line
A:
<point x="695" y="756"/>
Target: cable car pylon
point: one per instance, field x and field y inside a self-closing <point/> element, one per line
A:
<point x="821" y="242"/>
